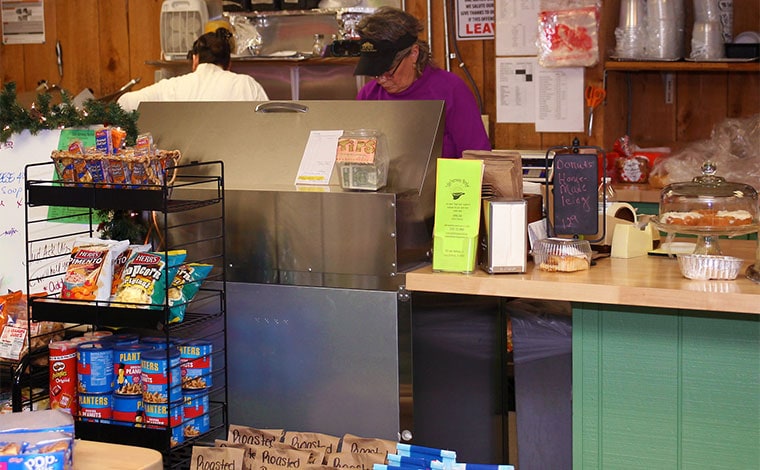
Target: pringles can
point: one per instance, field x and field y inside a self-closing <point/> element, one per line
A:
<point x="62" y="363"/>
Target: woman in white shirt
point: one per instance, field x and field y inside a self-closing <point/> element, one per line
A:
<point x="210" y="80"/>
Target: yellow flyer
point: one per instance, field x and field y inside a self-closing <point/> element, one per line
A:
<point x="457" y="214"/>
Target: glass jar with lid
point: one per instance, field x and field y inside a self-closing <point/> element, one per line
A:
<point x="363" y="159"/>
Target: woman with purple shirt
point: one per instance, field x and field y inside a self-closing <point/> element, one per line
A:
<point x="402" y="69"/>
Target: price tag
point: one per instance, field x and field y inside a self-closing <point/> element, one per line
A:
<point x="12" y="342"/>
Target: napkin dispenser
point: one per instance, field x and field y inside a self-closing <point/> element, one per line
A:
<point x="504" y="236"/>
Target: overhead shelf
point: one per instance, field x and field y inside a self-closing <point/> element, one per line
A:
<point x="680" y="66"/>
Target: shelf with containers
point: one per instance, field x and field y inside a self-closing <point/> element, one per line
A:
<point x="189" y="350"/>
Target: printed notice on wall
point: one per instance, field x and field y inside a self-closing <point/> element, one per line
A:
<point x="516" y="27"/>
<point x="23" y="21"/>
<point x="475" y="19"/>
<point x="515" y="89"/>
<point x="559" y="99"/>
<point x="552" y="98"/>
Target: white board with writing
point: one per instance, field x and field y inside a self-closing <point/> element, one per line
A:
<point x="20" y="150"/>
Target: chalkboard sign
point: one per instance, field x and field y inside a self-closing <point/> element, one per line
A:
<point x="576" y="205"/>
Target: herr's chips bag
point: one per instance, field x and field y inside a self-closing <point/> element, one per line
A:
<point x="146" y="277"/>
<point x="185" y="285"/>
<point x="120" y="262"/>
<point x="90" y="270"/>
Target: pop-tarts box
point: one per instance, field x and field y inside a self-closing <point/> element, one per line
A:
<point x="37" y="440"/>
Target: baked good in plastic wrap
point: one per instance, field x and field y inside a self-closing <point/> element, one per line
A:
<point x="734" y="147"/>
<point x="562" y="254"/>
<point x="126" y="169"/>
<point x="568" y="33"/>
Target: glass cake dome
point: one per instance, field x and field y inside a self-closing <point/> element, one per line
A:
<point x="708" y="206"/>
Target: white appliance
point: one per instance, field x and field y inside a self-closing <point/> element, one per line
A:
<point x="182" y="22"/>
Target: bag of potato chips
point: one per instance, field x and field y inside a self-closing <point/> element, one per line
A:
<point x="90" y="270"/>
<point x="185" y="285"/>
<point x="146" y="277"/>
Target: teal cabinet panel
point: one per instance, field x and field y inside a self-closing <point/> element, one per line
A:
<point x="664" y="389"/>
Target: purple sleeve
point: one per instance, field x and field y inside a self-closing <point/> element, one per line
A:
<point x="464" y="123"/>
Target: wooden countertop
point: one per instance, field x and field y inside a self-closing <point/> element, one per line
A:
<point x="91" y="455"/>
<point x="647" y="281"/>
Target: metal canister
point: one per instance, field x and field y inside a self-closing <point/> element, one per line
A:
<point x="122" y="339"/>
<point x="128" y="410"/>
<point x="62" y="362"/>
<point x="97" y="334"/>
<point x="127" y="367"/>
<point x="165" y="415"/>
<point x="95" y="407"/>
<point x="94" y="367"/>
<point x="196" y="413"/>
<point x="160" y="376"/>
<point x="196" y="403"/>
<point x="196" y="364"/>
<point x="155" y="342"/>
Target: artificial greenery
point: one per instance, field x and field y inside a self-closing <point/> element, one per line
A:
<point x="15" y="118"/>
<point x="123" y="225"/>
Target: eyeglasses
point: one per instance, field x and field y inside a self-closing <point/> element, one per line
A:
<point x="390" y="73"/>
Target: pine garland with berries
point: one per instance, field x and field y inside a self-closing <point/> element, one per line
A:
<point x="15" y="118"/>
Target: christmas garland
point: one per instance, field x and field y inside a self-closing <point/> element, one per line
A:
<point x="15" y="118"/>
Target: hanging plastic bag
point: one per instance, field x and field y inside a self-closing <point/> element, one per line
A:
<point x="568" y="37"/>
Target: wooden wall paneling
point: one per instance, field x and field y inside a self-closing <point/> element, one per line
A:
<point x="77" y="28"/>
<point x="701" y="105"/>
<point x="113" y="45"/>
<point x="489" y="86"/>
<point x="743" y="94"/>
<point x="615" y="117"/>
<point x="12" y="65"/>
<point x="653" y="120"/>
<point x="39" y="59"/>
<point x="144" y="39"/>
<point x="472" y="56"/>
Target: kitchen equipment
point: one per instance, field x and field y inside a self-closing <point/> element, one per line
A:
<point x="708" y="206"/>
<point x="182" y="22"/>
<point x="316" y="274"/>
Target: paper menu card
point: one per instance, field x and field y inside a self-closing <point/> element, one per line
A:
<point x="457" y="214"/>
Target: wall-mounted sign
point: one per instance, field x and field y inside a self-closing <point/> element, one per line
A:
<point x="475" y="19"/>
<point x="23" y="21"/>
